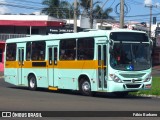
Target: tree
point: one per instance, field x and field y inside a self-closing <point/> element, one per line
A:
<point x="98" y="12"/>
<point x="102" y="14"/>
<point x="58" y="8"/>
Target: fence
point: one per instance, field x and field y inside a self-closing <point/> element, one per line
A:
<point x="8" y="36"/>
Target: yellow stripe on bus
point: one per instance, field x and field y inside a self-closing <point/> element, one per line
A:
<point x="81" y="64"/>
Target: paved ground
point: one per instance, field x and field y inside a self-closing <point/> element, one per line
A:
<point x="1" y="74"/>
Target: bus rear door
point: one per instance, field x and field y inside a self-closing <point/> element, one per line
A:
<point x="20" y="48"/>
<point x="52" y="59"/>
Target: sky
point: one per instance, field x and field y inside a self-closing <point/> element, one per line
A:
<point x="135" y="10"/>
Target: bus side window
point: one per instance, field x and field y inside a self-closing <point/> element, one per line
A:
<point x="28" y="51"/>
<point x="55" y="56"/>
<point x="85" y="49"/>
<point x="38" y="50"/>
<point x="11" y="52"/>
<point x="67" y="49"/>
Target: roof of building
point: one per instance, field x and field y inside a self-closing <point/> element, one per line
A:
<point x="30" y="20"/>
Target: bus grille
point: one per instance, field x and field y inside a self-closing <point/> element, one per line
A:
<point x="132" y="75"/>
<point x="133" y="86"/>
<point x="131" y="81"/>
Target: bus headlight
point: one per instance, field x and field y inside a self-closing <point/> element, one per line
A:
<point x="148" y="78"/>
<point x="115" y="78"/>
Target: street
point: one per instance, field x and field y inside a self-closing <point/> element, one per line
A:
<point x="14" y="98"/>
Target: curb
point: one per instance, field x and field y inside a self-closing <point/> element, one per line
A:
<point x="153" y="96"/>
<point x="1" y="76"/>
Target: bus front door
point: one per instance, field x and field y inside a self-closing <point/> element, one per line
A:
<point x="102" y="65"/>
<point x="52" y="63"/>
<point x="20" y="63"/>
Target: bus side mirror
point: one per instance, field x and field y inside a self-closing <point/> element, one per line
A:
<point x="151" y="46"/>
<point x="111" y="50"/>
<point x="111" y="47"/>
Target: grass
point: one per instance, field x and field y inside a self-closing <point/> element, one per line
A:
<point x="154" y="91"/>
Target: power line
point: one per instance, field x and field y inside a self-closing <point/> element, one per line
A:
<point x="27" y="1"/>
<point x="20" y="6"/>
<point x="134" y="2"/>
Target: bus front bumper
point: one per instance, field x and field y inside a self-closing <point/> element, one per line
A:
<point x="119" y="87"/>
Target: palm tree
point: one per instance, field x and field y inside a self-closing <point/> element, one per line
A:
<point x="58" y="8"/>
<point x="98" y="12"/>
<point x="102" y="14"/>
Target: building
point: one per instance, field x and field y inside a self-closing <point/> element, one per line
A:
<point x="13" y="26"/>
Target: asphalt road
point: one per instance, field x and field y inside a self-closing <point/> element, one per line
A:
<point x="14" y="98"/>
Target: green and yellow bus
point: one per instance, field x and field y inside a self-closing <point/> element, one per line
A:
<point x="117" y="61"/>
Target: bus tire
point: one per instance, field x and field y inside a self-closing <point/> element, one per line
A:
<point x="32" y="82"/>
<point x="85" y="87"/>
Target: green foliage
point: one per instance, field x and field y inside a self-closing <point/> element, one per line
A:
<point x="58" y="9"/>
<point x="64" y="10"/>
<point x="154" y="91"/>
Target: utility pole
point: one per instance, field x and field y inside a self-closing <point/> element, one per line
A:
<point x="75" y="15"/>
<point x="150" y="22"/>
<point x="91" y="14"/>
<point x="122" y="14"/>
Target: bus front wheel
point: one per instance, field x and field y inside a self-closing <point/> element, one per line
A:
<point x="32" y="83"/>
<point x="85" y="87"/>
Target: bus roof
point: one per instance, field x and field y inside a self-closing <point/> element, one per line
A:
<point x="87" y="33"/>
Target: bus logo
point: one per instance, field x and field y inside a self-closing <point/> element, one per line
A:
<point x="130" y="67"/>
<point x="133" y="80"/>
<point x="6" y="114"/>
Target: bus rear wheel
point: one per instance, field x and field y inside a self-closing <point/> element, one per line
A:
<point x="85" y="87"/>
<point x="32" y="83"/>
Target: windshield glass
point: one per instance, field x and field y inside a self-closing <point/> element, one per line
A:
<point x="130" y="56"/>
<point x="129" y="36"/>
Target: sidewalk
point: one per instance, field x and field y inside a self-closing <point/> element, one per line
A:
<point x="1" y="74"/>
<point x="156" y="71"/>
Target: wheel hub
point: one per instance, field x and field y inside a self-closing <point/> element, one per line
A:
<point x="86" y="86"/>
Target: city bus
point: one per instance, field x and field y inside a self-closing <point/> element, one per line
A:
<point x="115" y="61"/>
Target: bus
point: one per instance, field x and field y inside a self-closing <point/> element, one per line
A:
<point x="115" y="61"/>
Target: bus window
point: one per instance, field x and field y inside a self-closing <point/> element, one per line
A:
<point x="85" y="49"/>
<point x="68" y="49"/>
<point x="28" y="51"/>
<point x="38" y="50"/>
<point x="11" y="52"/>
<point x="55" y="56"/>
<point x="50" y="56"/>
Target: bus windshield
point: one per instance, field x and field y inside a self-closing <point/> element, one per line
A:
<point x="130" y="56"/>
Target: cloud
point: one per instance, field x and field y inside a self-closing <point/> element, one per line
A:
<point x="37" y="13"/>
<point x="147" y="2"/>
<point x="157" y="4"/>
<point x="3" y="8"/>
